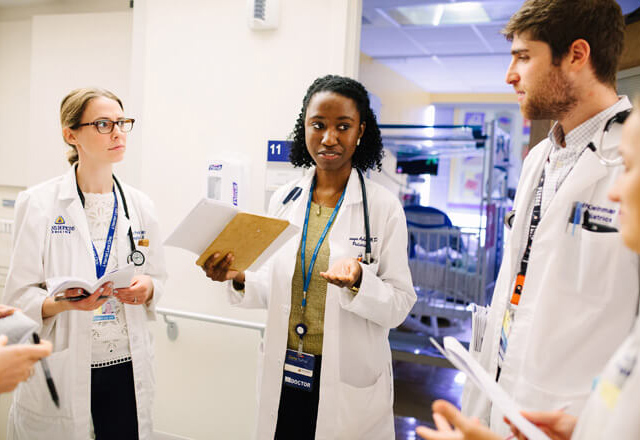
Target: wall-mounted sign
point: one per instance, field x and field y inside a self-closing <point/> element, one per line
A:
<point x="278" y="151"/>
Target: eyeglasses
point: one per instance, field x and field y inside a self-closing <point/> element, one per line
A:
<point x="105" y="126"/>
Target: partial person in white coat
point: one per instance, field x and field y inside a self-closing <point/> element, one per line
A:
<point x="83" y="224"/>
<point x="611" y="412"/>
<point x="329" y="312"/>
<point x="17" y="360"/>
<point x="566" y="297"/>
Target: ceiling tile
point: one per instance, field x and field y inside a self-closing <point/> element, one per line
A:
<point x="386" y="41"/>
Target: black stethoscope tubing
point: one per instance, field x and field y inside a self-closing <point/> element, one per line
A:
<point x="296" y="191"/>
<point x="367" y="229"/>
<point x="135" y="256"/>
<point x="618" y="118"/>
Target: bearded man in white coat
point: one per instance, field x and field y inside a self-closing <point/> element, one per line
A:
<point x="567" y="292"/>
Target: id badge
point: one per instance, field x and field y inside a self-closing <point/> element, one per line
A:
<point x="107" y="312"/>
<point x="298" y="370"/>
<point x="609" y="393"/>
<point x="506" y="327"/>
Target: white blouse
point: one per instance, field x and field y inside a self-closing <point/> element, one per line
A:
<point x="110" y="338"/>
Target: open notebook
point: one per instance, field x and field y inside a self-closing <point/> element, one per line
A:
<point x="121" y="278"/>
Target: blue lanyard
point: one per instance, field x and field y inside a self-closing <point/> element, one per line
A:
<point x="306" y="280"/>
<point x="101" y="266"/>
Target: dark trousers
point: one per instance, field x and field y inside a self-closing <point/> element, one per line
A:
<point x="298" y="412"/>
<point x="113" y="403"/>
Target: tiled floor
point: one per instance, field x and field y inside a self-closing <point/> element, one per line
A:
<point x="416" y="387"/>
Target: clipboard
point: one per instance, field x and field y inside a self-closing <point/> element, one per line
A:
<point x="246" y="236"/>
<point x="213" y="226"/>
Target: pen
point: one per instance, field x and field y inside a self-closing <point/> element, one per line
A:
<point x="293" y="194"/>
<point x="47" y="374"/>
<point x="576" y="216"/>
<point x="75" y="298"/>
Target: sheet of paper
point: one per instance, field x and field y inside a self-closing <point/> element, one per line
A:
<point x="461" y="358"/>
<point x="207" y="220"/>
<point x="120" y="278"/>
<point x="17" y="327"/>
<point x="202" y="225"/>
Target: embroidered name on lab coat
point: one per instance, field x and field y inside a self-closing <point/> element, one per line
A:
<point x="360" y="241"/>
<point x="139" y="235"/>
<point x="600" y="213"/>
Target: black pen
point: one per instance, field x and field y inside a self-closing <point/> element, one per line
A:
<point x="57" y="298"/>
<point x="47" y="374"/>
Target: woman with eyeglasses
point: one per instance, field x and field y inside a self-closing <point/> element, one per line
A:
<point x="84" y="224"/>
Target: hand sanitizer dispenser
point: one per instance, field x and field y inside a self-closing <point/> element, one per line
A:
<point x="226" y="182"/>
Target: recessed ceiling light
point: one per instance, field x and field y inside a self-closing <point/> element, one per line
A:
<point x="440" y="14"/>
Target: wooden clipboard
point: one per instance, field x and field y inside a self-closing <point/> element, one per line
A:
<point x="246" y="236"/>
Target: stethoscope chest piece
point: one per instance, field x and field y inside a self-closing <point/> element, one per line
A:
<point x="136" y="257"/>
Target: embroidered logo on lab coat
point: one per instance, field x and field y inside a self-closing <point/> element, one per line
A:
<point x="60" y="227"/>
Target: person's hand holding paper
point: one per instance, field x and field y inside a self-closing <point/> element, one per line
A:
<point x="6" y="310"/>
<point x="558" y="425"/>
<point x="445" y="415"/>
<point x="80" y="299"/>
<point x="223" y="231"/>
<point x="220" y="269"/>
<point x="16" y="357"/>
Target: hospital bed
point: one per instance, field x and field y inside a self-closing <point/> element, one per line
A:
<point x="447" y="266"/>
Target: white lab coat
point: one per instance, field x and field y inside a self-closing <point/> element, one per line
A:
<point x="39" y="254"/>
<point x="613" y="407"/>
<point x="579" y="300"/>
<point x="356" y="380"/>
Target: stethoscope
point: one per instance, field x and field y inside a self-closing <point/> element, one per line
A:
<point x="618" y="118"/>
<point x="296" y="191"/>
<point x="136" y="257"/>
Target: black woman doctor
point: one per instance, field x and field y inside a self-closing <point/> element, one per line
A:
<point x="326" y="362"/>
<point x="83" y="224"/>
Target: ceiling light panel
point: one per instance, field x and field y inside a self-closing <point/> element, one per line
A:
<point x="440" y="14"/>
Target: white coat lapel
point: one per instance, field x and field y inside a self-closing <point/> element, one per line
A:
<point x="353" y="194"/>
<point x="123" y="225"/>
<point x="587" y="171"/>
<point x="69" y="193"/>
<point x="294" y="213"/>
<point x="528" y="183"/>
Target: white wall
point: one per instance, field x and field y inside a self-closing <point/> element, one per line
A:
<point x="15" y="76"/>
<point x="206" y="85"/>
<point x="67" y="52"/>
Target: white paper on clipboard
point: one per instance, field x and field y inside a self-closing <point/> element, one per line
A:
<point x="207" y="220"/>
<point x="463" y="361"/>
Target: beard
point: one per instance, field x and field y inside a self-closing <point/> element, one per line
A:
<point x="552" y="98"/>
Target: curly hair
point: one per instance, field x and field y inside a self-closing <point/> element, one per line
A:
<point x="369" y="153"/>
